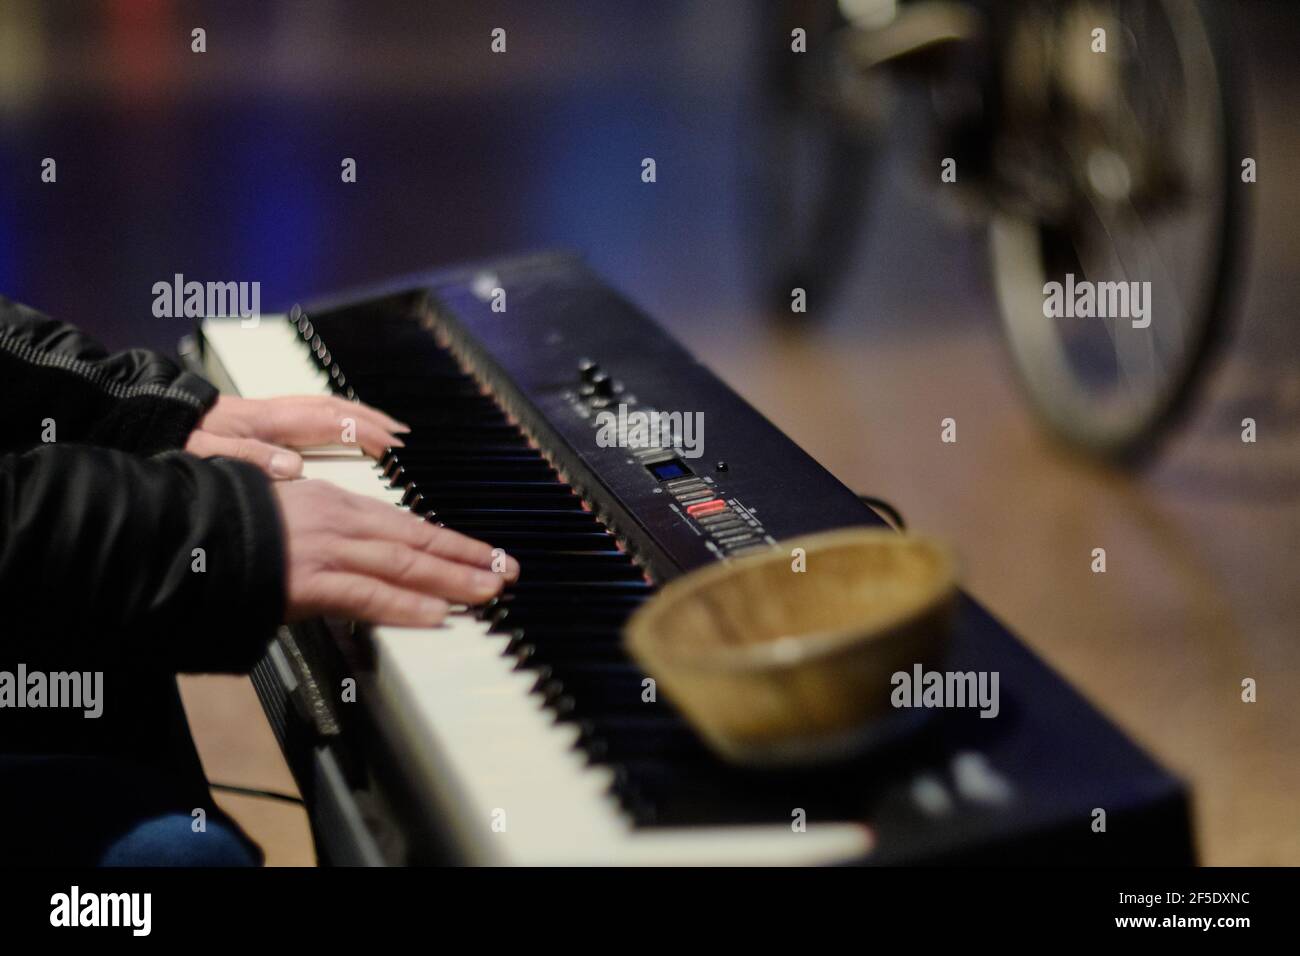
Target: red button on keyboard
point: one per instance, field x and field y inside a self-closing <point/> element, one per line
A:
<point x="707" y="508"/>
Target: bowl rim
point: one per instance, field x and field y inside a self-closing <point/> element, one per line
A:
<point x="786" y="652"/>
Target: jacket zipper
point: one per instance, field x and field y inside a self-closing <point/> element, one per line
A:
<point x="93" y="375"/>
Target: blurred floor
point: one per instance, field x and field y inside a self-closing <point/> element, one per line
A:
<point x="239" y="749"/>
<point x="215" y="181"/>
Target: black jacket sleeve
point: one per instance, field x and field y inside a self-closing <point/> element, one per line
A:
<point x="137" y="400"/>
<point x="171" y="561"/>
<point x="110" y="556"/>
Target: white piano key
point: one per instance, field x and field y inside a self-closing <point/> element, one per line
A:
<point x="267" y="360"/>
<point x="361" y="476"/>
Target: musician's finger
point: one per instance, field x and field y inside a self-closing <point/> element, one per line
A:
<point x="415" y="570"/>
<point x="341" y="408"/>
<point x="323" y="423"/>
<point x="385" y="421"/>
<point x="275" y="461"/>
<point x="459" y="547"/>
<point x="364" y="598"/>
<point x="376" y="519"/>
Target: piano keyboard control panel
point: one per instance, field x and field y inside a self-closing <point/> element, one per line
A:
<point x="680" y="465"/>
<point x="665" y="448"/>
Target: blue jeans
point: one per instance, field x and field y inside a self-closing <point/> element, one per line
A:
<point x="171" y="840"/>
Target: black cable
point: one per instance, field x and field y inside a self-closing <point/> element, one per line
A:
<point x="891" y="514"/>
<point x="254" y="792"/>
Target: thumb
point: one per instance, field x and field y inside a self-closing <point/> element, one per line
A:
<point x="275" y="461"/>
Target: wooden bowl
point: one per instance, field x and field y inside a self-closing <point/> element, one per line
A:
<point x="777" y="666"/>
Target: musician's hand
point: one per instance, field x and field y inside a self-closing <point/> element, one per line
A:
<point x="263" y="431"/>
<point x="354" y="557"/>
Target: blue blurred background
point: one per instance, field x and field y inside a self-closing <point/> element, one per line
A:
<point x="226" y="164"/>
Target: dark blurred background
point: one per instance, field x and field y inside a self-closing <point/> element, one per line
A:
<point x="228" y="163"/>
<point x="226" y="166"/>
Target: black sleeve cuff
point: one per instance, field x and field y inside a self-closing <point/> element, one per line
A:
<point x="199" y="387"/>
<point x="165" y="424"/>
<point x="262" y="592"/>
<point x="171" y="563"/>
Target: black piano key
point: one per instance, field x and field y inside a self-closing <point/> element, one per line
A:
<point x="441" y="503"/>
<point x="561" y="640"/>
<point x="558" y="541"/>
<point x="560" y="598"/>
<point x="509" y="617"/>
<point x="437" y="468"/>
<point x="625" y="737"/>
<point x="433" y="486"/>
<point x="573" y="568"/>
<point x="558" y="654"/>
<point x="533" y="518"/>
<point x="593" y="588"/>
<point x="596" y="689"/>
<point x="464" y="446"/>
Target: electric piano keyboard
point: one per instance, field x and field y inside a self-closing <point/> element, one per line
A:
<point x="517" y="733"/>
